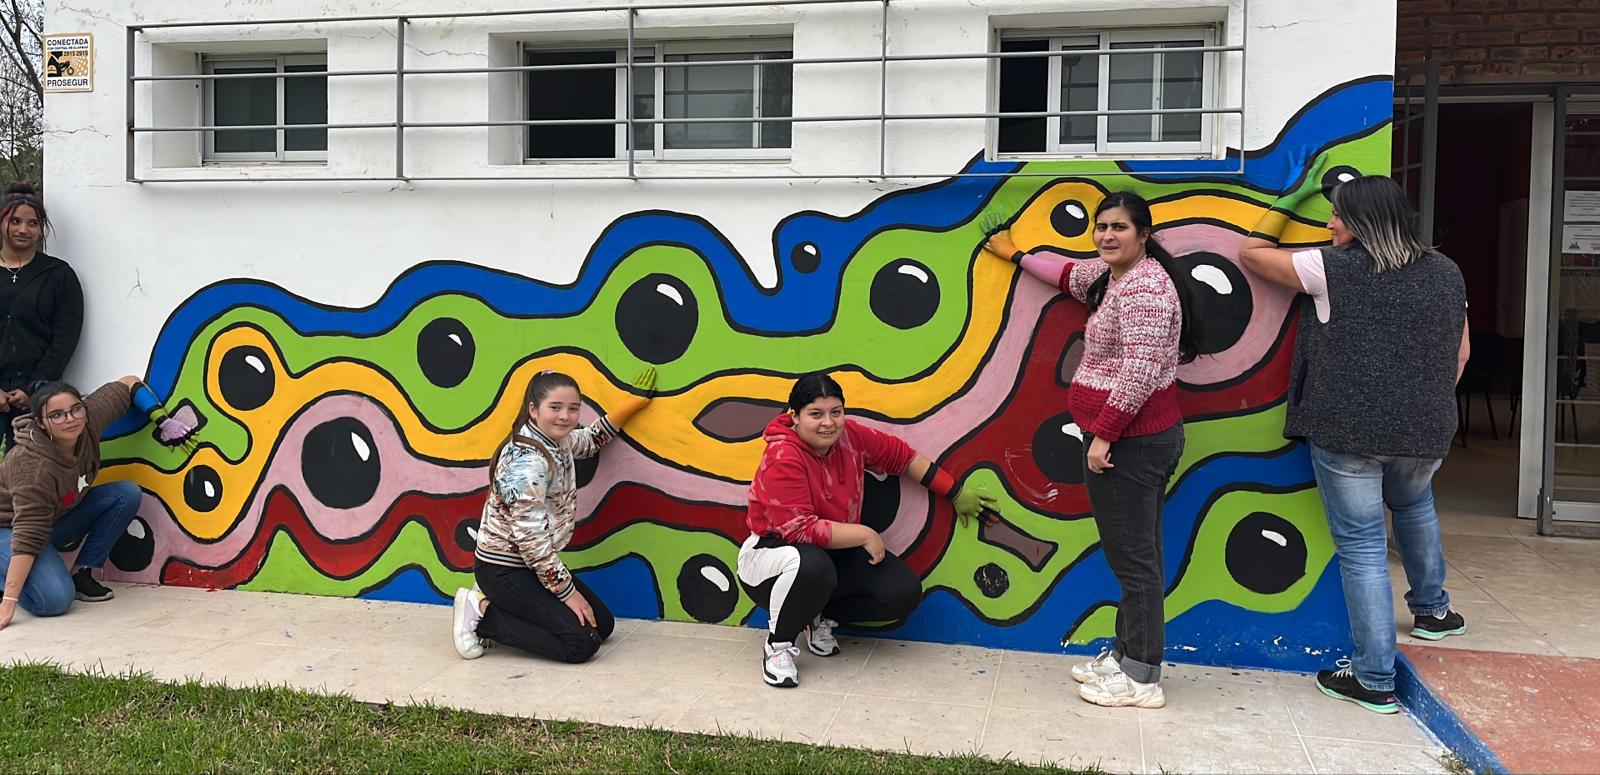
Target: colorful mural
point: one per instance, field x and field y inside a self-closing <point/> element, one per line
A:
<point x="345" y="449"/>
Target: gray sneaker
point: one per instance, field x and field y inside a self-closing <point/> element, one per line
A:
<point x="1097" y="668"/>
<point x="819" y="637"/>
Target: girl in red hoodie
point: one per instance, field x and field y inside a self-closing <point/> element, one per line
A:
<point x="809" y="561"/>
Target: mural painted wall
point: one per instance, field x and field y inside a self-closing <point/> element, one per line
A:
<point x="345" y="447"/>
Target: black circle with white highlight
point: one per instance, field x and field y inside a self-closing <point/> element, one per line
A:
<point x="806" y="257"/>
<point x="1070" y="218"/>
<point x="445" y="351"/>
<point x="657" y="318"/>
<point x="1058" y="449"/>
<point x="202" y="488"/>
<point x="706" y="588"/>
<point x="905" y="294"/>
<point x="1266" y="553"/>
<point x="1222" y="297"/>
<point x="246" y="378"/>
<point x="340" y="464"/>
<point x="135" y="548"/>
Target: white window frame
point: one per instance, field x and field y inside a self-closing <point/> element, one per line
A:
<point x="657" y="51"/>
<point x="209" y="63"/>
<point x="1058" y="40"/>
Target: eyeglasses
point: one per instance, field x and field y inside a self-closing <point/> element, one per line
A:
<point x="60" y="416"/>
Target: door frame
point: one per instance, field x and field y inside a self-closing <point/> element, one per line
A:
<point x="1558" y="517"/>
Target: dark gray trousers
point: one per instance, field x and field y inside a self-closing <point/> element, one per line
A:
<point x="1128" y="500"/>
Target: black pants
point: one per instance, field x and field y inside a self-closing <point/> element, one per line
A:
<point x="795" y="582"/>
<point x="522" y="613"/>
<point x="7" y="414"/>
<point x="1129" y="500"/>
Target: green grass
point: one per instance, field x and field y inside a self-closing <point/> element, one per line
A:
<point x="1454" y="764"/>
<point x="64" y="722"/>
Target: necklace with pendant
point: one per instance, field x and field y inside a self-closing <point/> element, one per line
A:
<point x="14" y="272"/>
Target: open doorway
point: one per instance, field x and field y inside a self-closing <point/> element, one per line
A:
<point x="1480" y="219"/>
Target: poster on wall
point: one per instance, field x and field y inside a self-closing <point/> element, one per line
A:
<point x="1580" y="238"/>
<point x="69" y="62"/>
<point x="1582" y="206"/>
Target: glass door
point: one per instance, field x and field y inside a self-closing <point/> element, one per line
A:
<point x="1570" y="498"/>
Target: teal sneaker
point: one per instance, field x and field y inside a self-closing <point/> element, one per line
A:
<point x="1438" y="627"/>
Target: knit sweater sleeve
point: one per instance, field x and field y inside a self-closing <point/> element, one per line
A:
<point x="1079" y="275"/>
<point x="1149" y="338"/>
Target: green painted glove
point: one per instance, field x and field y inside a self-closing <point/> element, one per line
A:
<point x="970" y="502"/>
<point x="1310" y="187"/>
<point x="630" y="405"/>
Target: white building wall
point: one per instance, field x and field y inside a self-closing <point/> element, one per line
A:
<point x="310" y="459"/>
<point x="143" y="248"/>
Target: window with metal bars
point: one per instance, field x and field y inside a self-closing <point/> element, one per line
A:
<point x="266" y="102"/>
<point x="1170" y="78"/>
<point x="735" y="109"/>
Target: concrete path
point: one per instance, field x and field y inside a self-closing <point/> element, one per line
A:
<point x="705" y="678"/>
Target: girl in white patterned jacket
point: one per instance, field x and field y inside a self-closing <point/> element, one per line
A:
<point x="525" y="595"/>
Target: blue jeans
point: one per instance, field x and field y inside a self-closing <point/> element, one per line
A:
<point x="1355" y="489"/>
<point x="100" y="518"/>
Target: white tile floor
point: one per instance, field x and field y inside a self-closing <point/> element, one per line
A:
<point x="1519" y="592"/>
<point x="704" y="678"/>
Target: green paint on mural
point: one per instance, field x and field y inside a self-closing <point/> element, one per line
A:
<point x="856" y="339"/>
<point x="285" y="569"/>
<point x="966" y="553"/>
<point x="1207" y="576"/>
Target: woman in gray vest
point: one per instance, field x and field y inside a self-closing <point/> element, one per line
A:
<point x="1372" y="393"/>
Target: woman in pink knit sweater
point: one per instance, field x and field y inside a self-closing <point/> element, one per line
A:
<point x="1124" y="399"/>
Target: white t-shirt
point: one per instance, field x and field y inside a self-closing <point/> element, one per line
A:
<point x="1314" y="278"/>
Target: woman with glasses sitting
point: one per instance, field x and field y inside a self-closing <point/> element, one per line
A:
<point x="49" y="499"/>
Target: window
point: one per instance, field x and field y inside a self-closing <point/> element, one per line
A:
<point x="266" y="102"/>
<point x="699" y="91"/>
<point x="1167" y="79"/>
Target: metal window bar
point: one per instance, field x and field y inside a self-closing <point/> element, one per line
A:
<point x="401" y="72"/>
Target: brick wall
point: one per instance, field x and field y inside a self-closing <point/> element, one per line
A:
<point x="1490" y="41"/>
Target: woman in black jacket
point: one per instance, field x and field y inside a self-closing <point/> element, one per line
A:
<point x="41" y="301"/>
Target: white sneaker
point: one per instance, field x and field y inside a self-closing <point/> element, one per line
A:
<point x="778" y="667"/>
<point x="1118" y="690"/>
<point x="1097" y="668"/>
<point x="819" y="637"/>
<point x="468" y="609"/>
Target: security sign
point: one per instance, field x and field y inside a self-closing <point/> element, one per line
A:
<point x="69" y="62"/>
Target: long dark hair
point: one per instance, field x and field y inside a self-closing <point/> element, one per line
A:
<point x="1192" y="335"/>
<point x="23" y="193"/>
<point x="539" y="388"/>
<point x="810" y="387"/>
<point x="1378" y="215"/>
